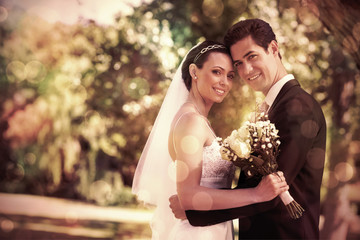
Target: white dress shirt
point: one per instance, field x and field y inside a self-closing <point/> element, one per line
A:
<point x="275" y="89"/>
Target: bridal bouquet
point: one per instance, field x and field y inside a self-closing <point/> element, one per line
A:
<point x="254" y="148"/>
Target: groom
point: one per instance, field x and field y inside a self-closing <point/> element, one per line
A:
<point x="302" y="131"/>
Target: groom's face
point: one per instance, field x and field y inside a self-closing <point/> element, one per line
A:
<point x="257" y="67"/>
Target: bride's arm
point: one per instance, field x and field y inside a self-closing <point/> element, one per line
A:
<point x="190" y="135"/>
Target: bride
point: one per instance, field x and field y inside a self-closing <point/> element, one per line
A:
<point x="182" y="155"/>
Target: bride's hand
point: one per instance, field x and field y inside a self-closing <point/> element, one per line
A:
<point x="271" y="186"/>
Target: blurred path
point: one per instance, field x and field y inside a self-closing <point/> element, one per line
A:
<point x="44" y="214"/>
<point x="18" y="204"/>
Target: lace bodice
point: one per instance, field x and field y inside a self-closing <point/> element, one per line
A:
<point x="216" y="172"/>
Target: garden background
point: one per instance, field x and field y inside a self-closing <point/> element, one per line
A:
<point x="81" y="82"/>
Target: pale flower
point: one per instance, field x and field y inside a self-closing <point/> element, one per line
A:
<point x="252" y="117"/>
<point x="242" y="149"/>
<point x="243" y="132"/>
<point x="259" y="133"/>
<point x="224" y="153"/>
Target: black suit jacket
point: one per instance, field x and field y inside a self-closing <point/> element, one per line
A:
<point x="302" y="131"/>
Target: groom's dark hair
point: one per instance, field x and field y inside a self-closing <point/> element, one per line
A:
<point x="198" y="56"/>
<point x="259" y="30"/>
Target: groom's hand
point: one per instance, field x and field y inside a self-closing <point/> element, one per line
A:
<point x="176" y="208"/>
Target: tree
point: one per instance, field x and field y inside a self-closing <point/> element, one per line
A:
<point x="340" y="17"/>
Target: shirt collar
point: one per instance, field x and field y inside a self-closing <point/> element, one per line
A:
<point x="275" y="89"/>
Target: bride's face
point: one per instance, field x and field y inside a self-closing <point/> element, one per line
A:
<point x="215" y="78"/>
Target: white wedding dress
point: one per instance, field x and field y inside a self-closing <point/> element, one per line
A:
<point x="216" y="173"/>
<point x="153" y="186"/>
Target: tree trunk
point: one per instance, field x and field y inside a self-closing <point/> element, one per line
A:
<point x="341" y="18"/>
<point x="336" y="206"/>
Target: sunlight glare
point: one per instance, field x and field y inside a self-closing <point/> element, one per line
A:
<point x="46" y="13"/>
<point x="132" y="108"/>
<point x="168" y="59"/>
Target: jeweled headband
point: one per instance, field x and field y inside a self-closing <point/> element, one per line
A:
<point x="208" y="48"/>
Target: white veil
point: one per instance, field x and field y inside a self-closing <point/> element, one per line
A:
<point x="154" y="180"/>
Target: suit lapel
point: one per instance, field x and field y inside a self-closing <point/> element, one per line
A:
<point x="283" y="91"/>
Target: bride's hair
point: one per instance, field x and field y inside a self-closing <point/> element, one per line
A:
<point x="198" y="55"/>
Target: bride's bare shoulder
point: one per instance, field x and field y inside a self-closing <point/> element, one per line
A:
<point x="190" y="123"/>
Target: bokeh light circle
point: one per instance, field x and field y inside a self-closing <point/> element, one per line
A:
<point x="182" y="170"/>
<point x="344" y="171"/>
<point x="213" y="8"/>
<point x="137" y="87"/>
<point x="15" y="71"/>
<point x="307" y="17"/>
<point x="3" y="14"/>
<point x="34" y="71"/>
<point x="332" y="181"/>
<point x="7" y="225"/>
<point x="309" y="128"/>
<point x="202" y="201"/>
<point x="30" y="158"/>
<point x="294" y="107"/>
<point x="238" y="6"/>
<point x="172" y="171"/>
<point x="190" y="144"/>
<point x="316" y="157"/>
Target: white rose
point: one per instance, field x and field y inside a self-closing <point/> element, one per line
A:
<point x="243" y="132"/>
<point x="242" y="149"/>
